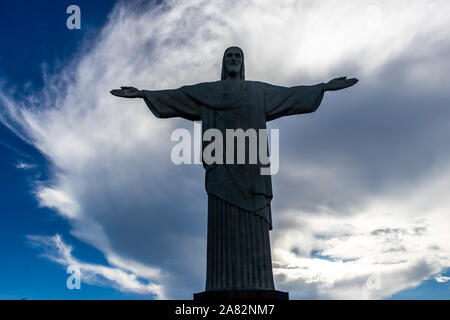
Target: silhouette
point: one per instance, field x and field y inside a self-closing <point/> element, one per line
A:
<point x="239" y="197"/>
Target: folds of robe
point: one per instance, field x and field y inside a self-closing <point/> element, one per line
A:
<point x="242" y="105"/>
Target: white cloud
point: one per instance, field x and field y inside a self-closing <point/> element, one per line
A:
<point x="122" y="277"/>
<point x="441" y="278"/>
<point x="114" y="182"/>
<point x="59" y="200"/>
<point x="337" y="254"/>
<point x="24" y="165"/>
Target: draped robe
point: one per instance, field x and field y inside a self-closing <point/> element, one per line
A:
<point x="239" y="214"/>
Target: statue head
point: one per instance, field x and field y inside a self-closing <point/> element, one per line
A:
<point x="233" y="64"/>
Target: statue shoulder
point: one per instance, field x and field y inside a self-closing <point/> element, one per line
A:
<point x="203" y="85"/>
<point x="198" y="88"/>
<point x="258" y="84"/>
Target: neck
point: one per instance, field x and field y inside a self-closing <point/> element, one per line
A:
<point x="232" y="76"/>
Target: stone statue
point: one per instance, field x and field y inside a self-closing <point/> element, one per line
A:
<point x="239" y="214"/>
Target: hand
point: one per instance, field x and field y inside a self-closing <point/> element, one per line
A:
<point x="127" y="92"/>
<point x="339" y="83"/>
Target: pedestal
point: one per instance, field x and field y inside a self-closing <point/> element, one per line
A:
<point x="241" y="295"/>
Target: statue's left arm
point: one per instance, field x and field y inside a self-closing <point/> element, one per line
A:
<point x="285" y="101"/>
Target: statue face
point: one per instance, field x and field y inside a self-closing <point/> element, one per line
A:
<point x="233" y="61"/>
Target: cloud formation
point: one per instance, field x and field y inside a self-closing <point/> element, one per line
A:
<point x="123" y="278"/>
<point x="360" y="198"/>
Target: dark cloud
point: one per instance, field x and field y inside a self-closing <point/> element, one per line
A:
<point x="382" y="134"/>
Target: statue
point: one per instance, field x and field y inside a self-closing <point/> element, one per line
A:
<point x="239" y="197"/>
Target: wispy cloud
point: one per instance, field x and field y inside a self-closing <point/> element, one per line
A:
<point x="441" y="278"/>
<point x="123" y="277"/>
<point x="361" y="187"/>
<point x="24" y="165"/>
<point x="18" y="152"/>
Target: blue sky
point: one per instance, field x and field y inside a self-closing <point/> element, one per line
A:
<point x="34" y="36"/>
<point x="360" y="182"/>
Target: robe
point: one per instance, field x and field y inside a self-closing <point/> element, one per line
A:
<point x="239" y="214"/>
<point x="234" y="104"/>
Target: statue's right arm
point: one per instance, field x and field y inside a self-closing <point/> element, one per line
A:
<point x="128" y="92"/>
<point x="164" y="103"/>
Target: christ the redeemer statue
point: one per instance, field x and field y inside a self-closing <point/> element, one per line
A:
<point x="239" y="214"/>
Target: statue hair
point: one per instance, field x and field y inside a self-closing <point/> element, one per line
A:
<point x="241" y="72"/>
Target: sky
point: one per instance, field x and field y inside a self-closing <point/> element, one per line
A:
<point x="360" y="207"/>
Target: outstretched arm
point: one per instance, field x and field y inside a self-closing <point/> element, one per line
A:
<point x="284" y="101"/>
<point x="128" y="92"/>
<point x="165" y="103"/>
<point x="339" y="83"/>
